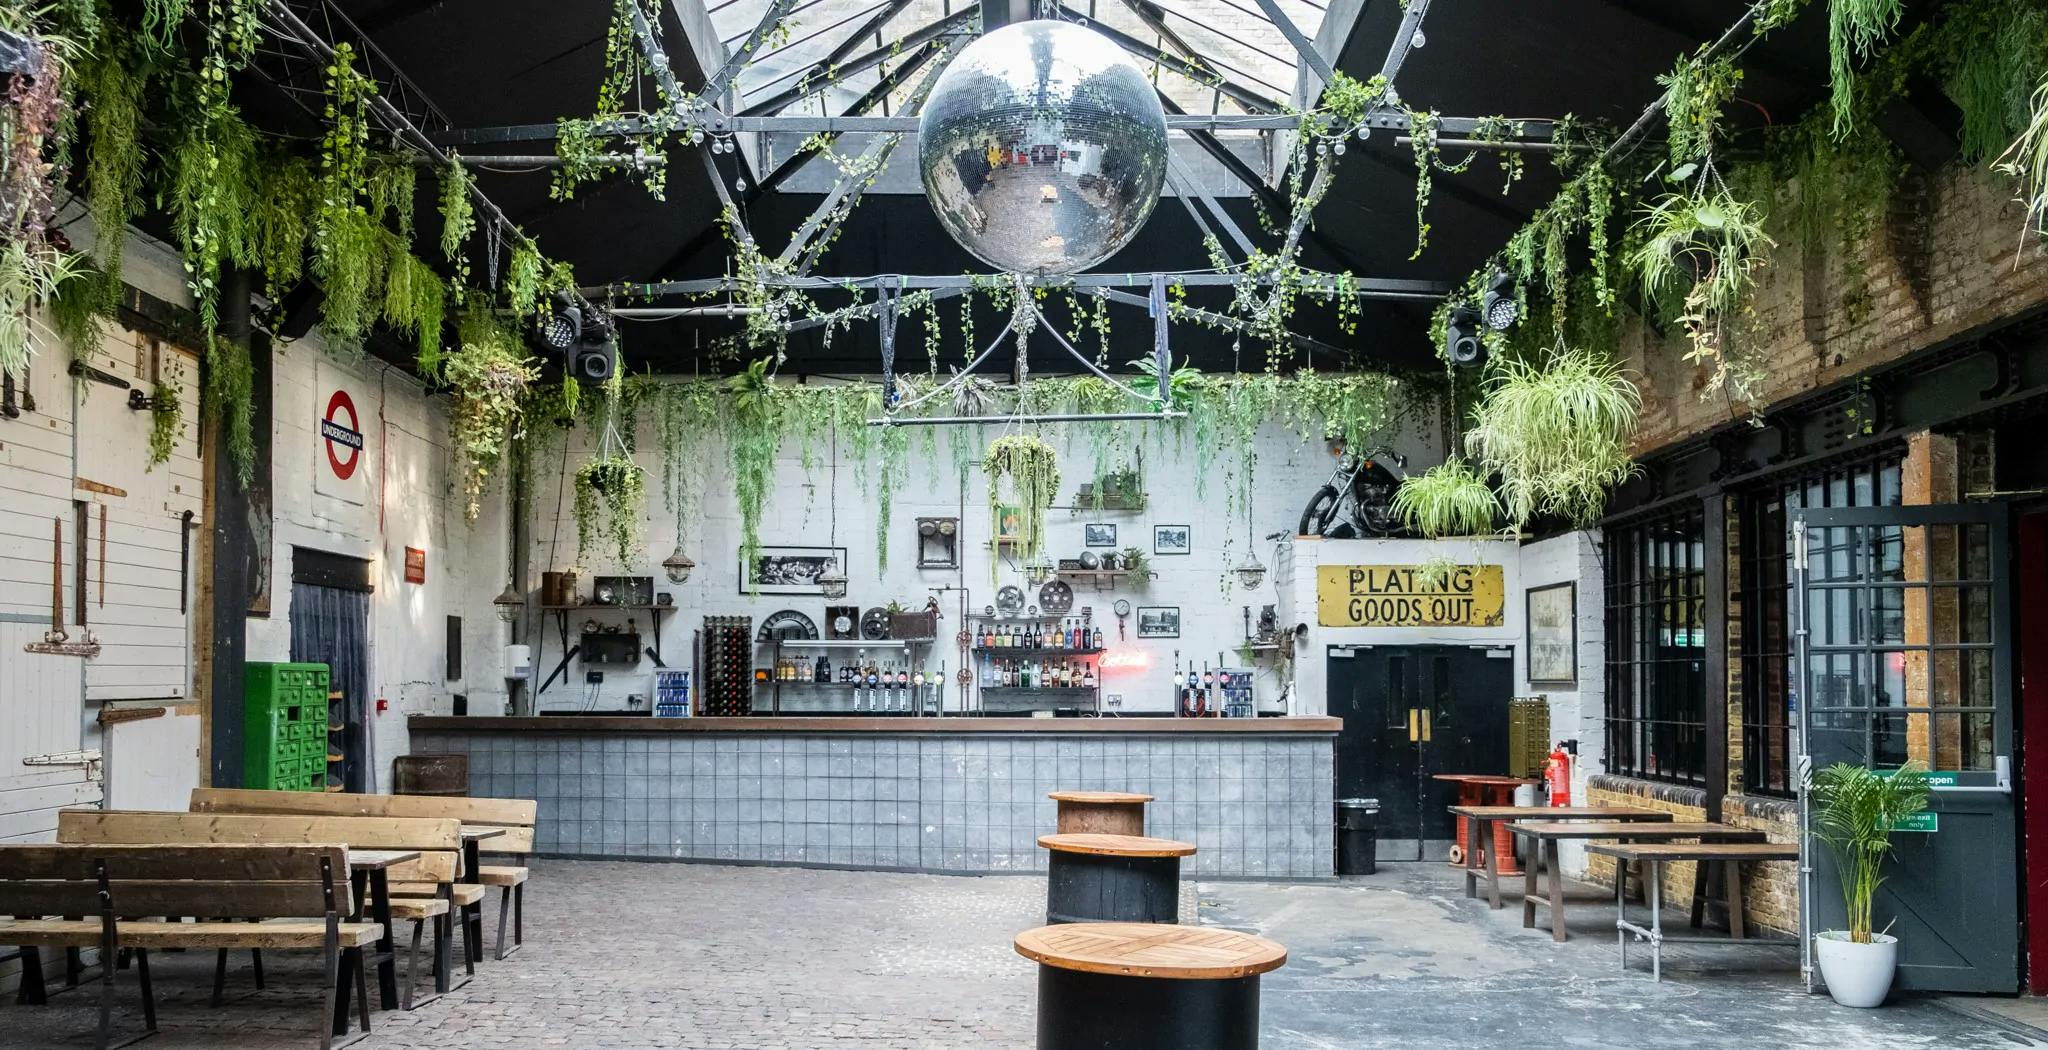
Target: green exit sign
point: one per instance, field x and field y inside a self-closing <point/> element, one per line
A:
<point x="1922" y="821"/>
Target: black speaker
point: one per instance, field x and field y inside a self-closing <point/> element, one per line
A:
<point x="299" y="311"/>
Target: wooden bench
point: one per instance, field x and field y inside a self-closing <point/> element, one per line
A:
<point x="293" y="889"/>
<point x="1100" y="812"/>
<point x="431" y="874"/>
<point x="1726" y="856"/>
<point x="515" y="816"/>
<point x="1138" y="985"/>
<point x="1547" y="834"/>
<point x="1481" y="819"/>
<point x="1112" y="878"/>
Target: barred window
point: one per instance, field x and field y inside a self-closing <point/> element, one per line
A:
<point x="1657" y="647"/>
<point x="1763" y="604"/>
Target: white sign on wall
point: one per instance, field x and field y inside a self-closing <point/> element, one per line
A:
<point x="341" y="436"/>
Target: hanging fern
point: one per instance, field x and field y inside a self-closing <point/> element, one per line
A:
<point x="1855" y="29"/>
<point x="489" y="375"/>
<point x="415" y="301"/>
<point x="348" y="259"/>
<point x="392" y="184"/>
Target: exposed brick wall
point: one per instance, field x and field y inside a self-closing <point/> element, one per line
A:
<point x="1683" y="803"/>
<point x="1954" y="263"/>
<point x="1770" y="889"/>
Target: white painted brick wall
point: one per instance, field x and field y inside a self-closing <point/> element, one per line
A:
<point x="1574" y="713"/>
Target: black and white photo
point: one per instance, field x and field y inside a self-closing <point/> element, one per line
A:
<point x="790" y="570"/>
<point x="1158" y="621"/>
<point x="1172" y="539"/>
<point x="1099" y="534"/>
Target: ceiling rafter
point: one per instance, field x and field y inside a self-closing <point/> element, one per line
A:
<point x="843" y="67"/>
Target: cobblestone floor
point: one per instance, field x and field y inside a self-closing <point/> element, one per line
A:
<point x="625" y="955"/>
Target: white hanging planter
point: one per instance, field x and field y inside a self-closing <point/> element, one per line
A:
<point x="1858" y="975"/>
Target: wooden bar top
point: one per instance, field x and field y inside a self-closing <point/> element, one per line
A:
<point x="856" y="724"/>
<point x="1684" y="851"/>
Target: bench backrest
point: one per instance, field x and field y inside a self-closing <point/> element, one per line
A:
<point x="515" y="815"/>
<point x="438" y="840"/>
<point x="199" y="880"/>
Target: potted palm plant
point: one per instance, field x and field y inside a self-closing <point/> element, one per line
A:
<point x="1855" y="812"/>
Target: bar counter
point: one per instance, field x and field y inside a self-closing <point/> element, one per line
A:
<point x="954" y="795"/>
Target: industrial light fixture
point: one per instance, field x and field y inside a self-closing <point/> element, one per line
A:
<point x="677" y="564"/>
<point x="1461" y="338"/>
<point x="508" y="603"/>
<point x="1250" y="572"/>
<point x="832" y="582"/>
<point x="1499" y="305"/>
<point x="558" y="332"/>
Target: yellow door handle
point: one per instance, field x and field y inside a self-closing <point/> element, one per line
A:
<point x="1414" y="725"/>
<point x="1425" y="725"/>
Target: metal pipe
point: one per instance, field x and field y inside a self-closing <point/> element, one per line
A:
<point x="1361" y="287"/>
<point x="661" y="313"/>
<point x="1069" y="417"/>
<point x="540" y="160"/>
<point x="1511" y="147"/>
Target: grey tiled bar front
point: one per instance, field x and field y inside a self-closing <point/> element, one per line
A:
<point x="1253" y="805"/>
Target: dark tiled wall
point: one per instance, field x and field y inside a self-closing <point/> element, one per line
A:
<point x="1253" y="805"/>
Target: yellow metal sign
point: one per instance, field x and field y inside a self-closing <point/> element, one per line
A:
<point x="1401" y="596"/>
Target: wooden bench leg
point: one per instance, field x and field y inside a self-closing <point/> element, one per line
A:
<point x="519" y="914"/>
<point x="504" y="906"/>
<point x="362" y="990"/>
<point x="148" y="990"/>
<point x="443" y="961"/>
<point x="1556" y="889"/>
<point x="469" y="943"/>
<point x="412" y="964"/>
<point x="1529" y="893"/>
<point x="32" y="992"/>
<point x="473" y="937"/>
<point x="387" y="945"/>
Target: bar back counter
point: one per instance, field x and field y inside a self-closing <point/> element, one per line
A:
<point x="959" y="795"/>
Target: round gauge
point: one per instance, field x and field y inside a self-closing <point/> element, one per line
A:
<point x="988" y="610"/>
<point x="1122" y="607"/>
<point x="1056" y="598"/>
<point x="842" y="625"/>
<point x="1010" y="599"/>
<point x="874" y="624"/>
<point x="605" y="594"/>
<point x="788" y="624"/>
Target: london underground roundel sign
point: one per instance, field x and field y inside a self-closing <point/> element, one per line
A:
<point x="344" y="439"/>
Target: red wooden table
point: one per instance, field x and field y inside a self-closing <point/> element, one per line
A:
<point x="1487" y="789"/>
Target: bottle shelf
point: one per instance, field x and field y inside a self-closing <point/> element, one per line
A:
<point x="1016" y="651"/>
<point x="1058" y="690"/>
<point x="846" y="643"/>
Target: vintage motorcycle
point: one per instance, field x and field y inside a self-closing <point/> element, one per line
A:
<point x="1357" y="500"/>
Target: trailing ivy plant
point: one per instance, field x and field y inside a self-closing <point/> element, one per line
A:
<point x="488" y="374"/>
<point x="1557" y="435"/>
<point x="1027" y="469"/>
<point x="348" y="250"/>
<point x="458" y="218"/>
<point x="1701" y="248"/>
<point x="1855" y="29"/>
<point x="166" y="419"/>
<point x="1449" y="499"/>
<point x="1694" y="93"/>
<point x="754" y="439"/>
<point x="609" y="490"/>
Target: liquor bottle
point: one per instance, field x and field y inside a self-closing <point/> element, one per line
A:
<point x="1097" y="643"/>
<point x="1009" y="674"/>
<point x="1088" y="676"/>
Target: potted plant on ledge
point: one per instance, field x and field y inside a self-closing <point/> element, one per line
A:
<point x="1855" y="812"/>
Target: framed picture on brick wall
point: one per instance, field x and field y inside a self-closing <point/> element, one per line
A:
<point x="1553" y="644"/>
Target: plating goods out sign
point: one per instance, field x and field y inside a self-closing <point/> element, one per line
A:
<point x="1404" y="596"/>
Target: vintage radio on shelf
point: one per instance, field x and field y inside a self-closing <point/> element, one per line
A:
<point x="622" y="590"/>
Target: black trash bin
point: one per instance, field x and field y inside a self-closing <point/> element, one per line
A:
<point x="1357" y="835"/>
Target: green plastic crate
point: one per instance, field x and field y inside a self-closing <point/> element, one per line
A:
<point x="284" y="719"/>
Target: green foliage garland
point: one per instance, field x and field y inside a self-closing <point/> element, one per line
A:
<point x="488" y="374"/>
<point x="348" y="250"/>
<point x="458" y="217"/>
<point x="211" y="199"/>
<point x="1694" y="92"/>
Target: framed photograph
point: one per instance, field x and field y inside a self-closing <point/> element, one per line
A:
<point x="1553" y="635"/>
<point x="790" y="570"/>
<point x="1099" y="535"/>
<point x="1159" y="621"/>
<point x="1009" y="524"/>
<point x="1172" y="539"/>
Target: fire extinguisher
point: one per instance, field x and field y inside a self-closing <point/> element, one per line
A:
<point x="1557" y="775"/>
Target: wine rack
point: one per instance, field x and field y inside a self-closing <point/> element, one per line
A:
<point x="728" y="687"/>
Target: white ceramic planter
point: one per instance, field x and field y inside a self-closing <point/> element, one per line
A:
<point x="1858" y="975"/>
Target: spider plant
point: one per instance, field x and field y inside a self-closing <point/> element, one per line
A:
<point x="1705" y="240"/>
<point x="1449" y="499"/>
<point x="1557" y="434"/>
<point x="1854" y="813"/>
<point x="2027" y="160"/>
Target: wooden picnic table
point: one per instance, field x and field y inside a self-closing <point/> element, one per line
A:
<point x="1654" y="855"/>
<point x="1483" y="819"/>
<point x="472" y="872"/>
<point x="1547" y="834"/>
<point x="1485" y="789"/>
<point x="368" y="877"/>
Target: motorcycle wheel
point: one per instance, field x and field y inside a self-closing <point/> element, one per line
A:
<point x="1322" y="508"/>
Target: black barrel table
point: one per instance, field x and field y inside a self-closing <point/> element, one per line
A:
<point x="1112" y="878"/>
<point x="1100" y="812"/>
<point x="1136" y="986"/>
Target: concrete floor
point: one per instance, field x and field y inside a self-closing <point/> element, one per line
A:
<point x="624" y="955"/>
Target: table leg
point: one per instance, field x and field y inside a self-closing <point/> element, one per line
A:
<point x="1500" y="841"/>
<point x="1655" y="871"/>
<point x="1472" y="870"/>
<point x="1493" y="875"/>
<point x="473" y="914"/>
<point x="1556" y="889"/>
<point x="387" y="950"/>
<point x="1621" y="920"/>
<point x="1529" y="890"/>
<point x="1731" y="880"/>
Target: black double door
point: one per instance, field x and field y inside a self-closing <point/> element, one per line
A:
<point x="1410" y="712"/>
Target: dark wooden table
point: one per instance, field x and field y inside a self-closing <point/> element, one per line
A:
<point x="1484" y="789"/>
<point x="1546" y="835"/>
<point x="1654" y="855"/>
<point x="1483" y="818"/>
<point x="473" y="914"/>
<point x="368" y="871"/>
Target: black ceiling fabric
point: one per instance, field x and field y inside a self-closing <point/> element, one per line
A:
<point x="497" y="62"/>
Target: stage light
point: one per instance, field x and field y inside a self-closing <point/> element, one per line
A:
<point x="1498" y="305"/>
<point x="1461" y="338"/>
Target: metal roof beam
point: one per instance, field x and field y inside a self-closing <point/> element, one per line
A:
<point x="859" y="63"/>
<point x="1361" y="287"/>
<point x="1251" y="99"/>
<point x="1301" y="43"/>
<point x="1532" y="130"/>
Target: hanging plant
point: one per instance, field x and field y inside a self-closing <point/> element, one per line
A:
<point x="458" y="218"/>
<point x="348" y="250"/>
<point x="287" y="197"/>
<point x="33" y="265"/>
<point x="608" y="494"/>
<point x="1556" y="434"/>
<point x="1449" y="499"/>
<point x="1705" y="247"/>
<point x="416" y="302"/>
<point x="113" y="82"/>
<point x="1694" y="93"/>
<point x="392" y="185"/>
<point x="524" y="277"/>
<point x="1855" y="29"/>
<point x="2027" y="161"/>
<point x="1033" y="473"/>
<point x="756" y="436"/>
<point x="166" y="418"/>
<point x="489" y="374"/>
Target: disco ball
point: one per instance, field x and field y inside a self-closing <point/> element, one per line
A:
<point x="1042" y="148"/>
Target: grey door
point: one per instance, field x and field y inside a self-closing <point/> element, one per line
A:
<point x="1905" y="644"/>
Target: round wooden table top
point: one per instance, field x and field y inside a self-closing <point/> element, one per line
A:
<point x="1137" y="949"/>
<point x="1099" y="797"/>
<point x="1116" y="845"/>
<point x="1485" y="779"/>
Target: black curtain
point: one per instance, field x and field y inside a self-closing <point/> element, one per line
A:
<point x="332" y="626"/>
